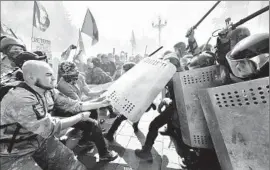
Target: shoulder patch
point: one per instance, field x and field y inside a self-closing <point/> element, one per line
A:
<point x="39" y="110"/>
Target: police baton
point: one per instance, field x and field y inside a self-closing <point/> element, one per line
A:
<point x="155" y="51"/>
<point x="199" y="22"/>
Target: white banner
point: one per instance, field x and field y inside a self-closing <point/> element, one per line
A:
<point x="39" y="44"/>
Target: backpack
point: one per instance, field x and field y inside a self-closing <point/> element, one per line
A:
<point x="4" y="89"/>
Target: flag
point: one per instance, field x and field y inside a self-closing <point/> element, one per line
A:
<point x="40" y="17"/>
<point x="132" y="40"/>
<point x="5" y="30"/>
<point x="89" y="27"/>
<point x="81" y="52"/>
<point x="65" y="54"/>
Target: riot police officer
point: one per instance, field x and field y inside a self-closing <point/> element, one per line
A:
<point x="164" y="117"/>
<point x="249" y="59"/>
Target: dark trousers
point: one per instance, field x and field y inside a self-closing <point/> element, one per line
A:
<point x="92" y="131"/>
<point x="94" y="114"/>
<point x="158" y="122"/>
<point x="119" y="119"/>
<point x="117" y="122"/>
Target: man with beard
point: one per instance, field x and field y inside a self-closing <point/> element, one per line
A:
<point x="28" y="131"/>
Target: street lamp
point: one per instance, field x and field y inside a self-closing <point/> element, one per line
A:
<point x="159" y="25"/>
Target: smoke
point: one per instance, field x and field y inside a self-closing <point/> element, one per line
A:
<point x="18" y="15"/>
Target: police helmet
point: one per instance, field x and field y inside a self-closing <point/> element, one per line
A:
<point x="25" y="56"/>
<point x="204" y="59"/>
<point x="238" y="34"/>
<point x="249" y="55"/>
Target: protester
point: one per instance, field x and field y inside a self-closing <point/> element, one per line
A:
<point x="27" y="110"/>
<point x="107" y="65"/>
<point x="11" y="48"/>
<point x="73" y="84"/>
<point x="95" y="75"/>
<point x="16" y="74"/>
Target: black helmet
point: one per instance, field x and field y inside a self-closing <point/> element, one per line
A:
<point x="25" y="56"/>
<point x="238" y="34"/>
<point x="249" y="55"/>
<point x="204" y="59"/>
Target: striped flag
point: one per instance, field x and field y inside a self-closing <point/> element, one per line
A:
<point x="40" y="17"/>
<point x="89" y="27"/>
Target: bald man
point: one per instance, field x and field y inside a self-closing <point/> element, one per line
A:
<point x="27" y="133"/>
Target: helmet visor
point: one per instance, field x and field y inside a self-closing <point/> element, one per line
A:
<point x="246" y="67"/>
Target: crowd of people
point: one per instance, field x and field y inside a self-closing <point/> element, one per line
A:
<point x="35" y="107"/>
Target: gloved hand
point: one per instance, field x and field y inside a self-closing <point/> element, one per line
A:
<point x="190" y="33"/>
<point x="73" y="46"/>
<point x="165" y="102"/>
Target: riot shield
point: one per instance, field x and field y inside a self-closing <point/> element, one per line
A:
<point x="237" y="116"/>
<point x="192" y="122"/>
<point x="134" y="91"/>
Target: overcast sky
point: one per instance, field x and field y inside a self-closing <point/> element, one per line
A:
<point x="116" y="20"/>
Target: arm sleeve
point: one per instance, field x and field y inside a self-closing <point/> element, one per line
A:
<point x="24" y="112"/>
<point x="100" y="77"/>
<point x="65" y="103"/>
<point x="194" y="49"/>
<point x="84" y="87"/>
<point x="66" y="90"/>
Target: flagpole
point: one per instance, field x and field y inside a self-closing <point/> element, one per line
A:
<point x="33" y="24"/>
<point x="145" y="50"/>
<point x="77" y="43"/>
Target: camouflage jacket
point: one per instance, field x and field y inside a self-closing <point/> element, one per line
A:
<point x="75" y="91"/>
<point x="32" y="113"/>
<point x="7" y="70"/>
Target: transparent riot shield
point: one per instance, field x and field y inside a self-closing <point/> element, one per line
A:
<point x="237" y="116"/>
<point x="133" y="92"/>
<point x="192" y="122"/>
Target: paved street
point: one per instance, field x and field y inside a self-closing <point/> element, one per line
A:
<point x="164" y="154"/>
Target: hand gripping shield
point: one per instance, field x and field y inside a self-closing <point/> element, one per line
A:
<point x="192" y="122"/>
<point x="134" y="91"/>
<point x="237" y="116"/>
